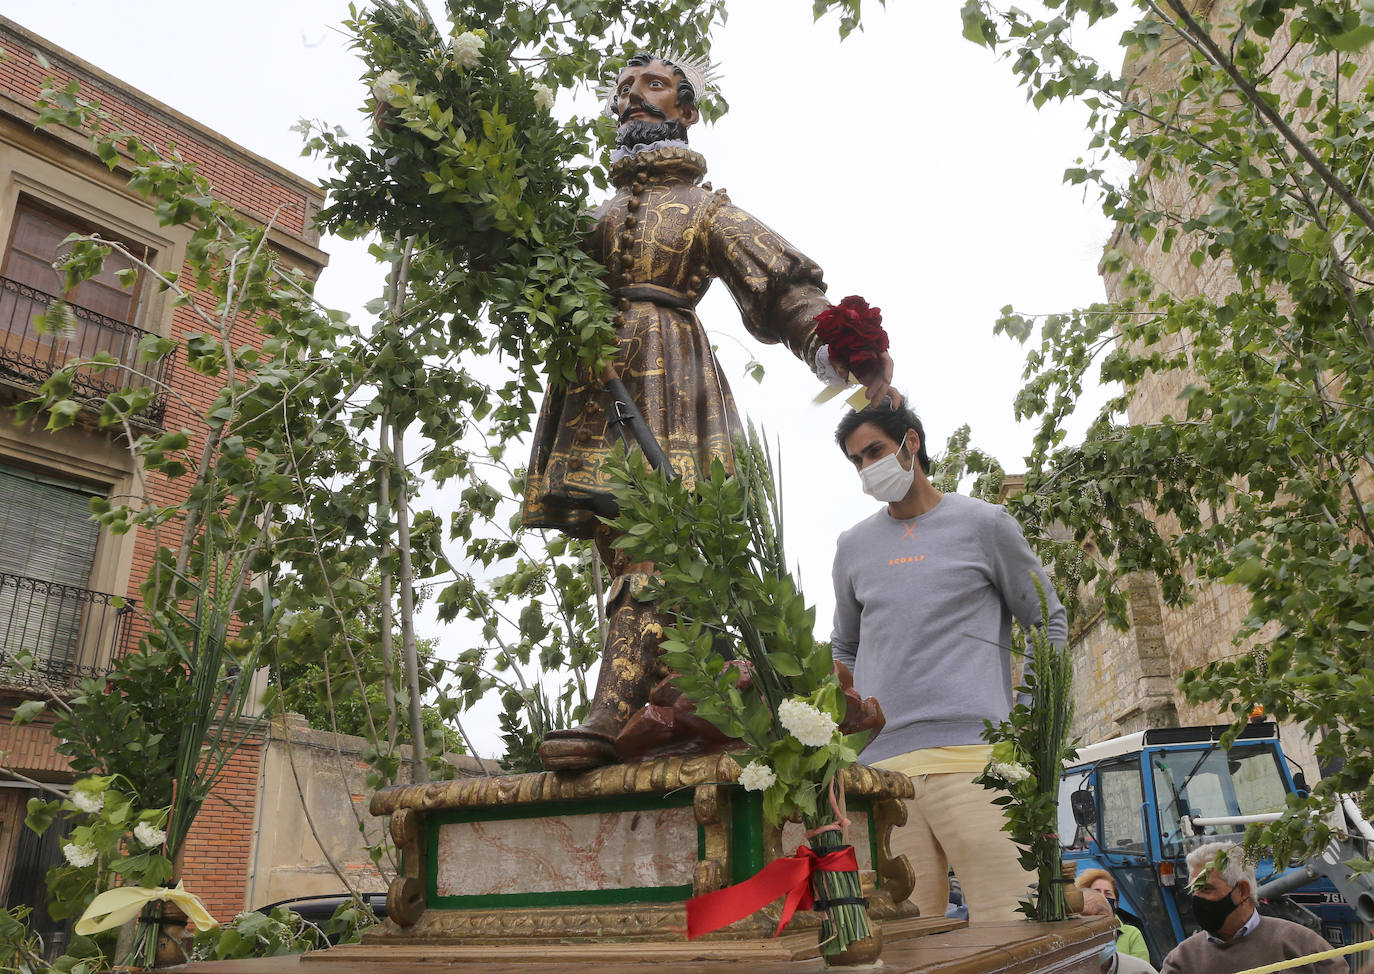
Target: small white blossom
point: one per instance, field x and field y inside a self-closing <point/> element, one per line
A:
<point x="79" y="855"/>
<point x="90" y="802"/>
<point x="467" y="50"/>
<point x="757" y="777"/>
<point x="543" y="97"/>
<point x="149" y="835"/>
<point x="806" y="723"/>
<point x="381" y="88"/>
<point x="1011" y="773"/>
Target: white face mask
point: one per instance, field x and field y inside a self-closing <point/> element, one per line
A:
<point x="887" y="480"/>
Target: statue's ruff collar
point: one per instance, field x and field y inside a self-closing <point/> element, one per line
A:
<point x="668" y="160"/>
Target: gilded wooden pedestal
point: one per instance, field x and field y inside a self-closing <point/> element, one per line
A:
<point x="610" y="855"/>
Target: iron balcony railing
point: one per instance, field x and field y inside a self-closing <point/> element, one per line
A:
<point x="31" y="358"/>
<point x="69" y="632"/>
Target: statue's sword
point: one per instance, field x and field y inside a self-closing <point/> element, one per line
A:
<point x="625" y="416"/>
<point x="624" y="413"/>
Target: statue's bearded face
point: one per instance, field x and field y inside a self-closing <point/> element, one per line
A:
<point x="647" y="95"/>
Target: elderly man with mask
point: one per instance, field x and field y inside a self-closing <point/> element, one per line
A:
<point x="663" y="237"/>
<point x="1234" y="936"/>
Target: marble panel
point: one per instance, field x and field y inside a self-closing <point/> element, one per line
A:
<point x="560" y="853"/>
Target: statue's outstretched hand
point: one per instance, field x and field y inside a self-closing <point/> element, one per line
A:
<point x="878" y="383"/>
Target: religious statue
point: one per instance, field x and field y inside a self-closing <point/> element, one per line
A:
<point x="663" y="237"/>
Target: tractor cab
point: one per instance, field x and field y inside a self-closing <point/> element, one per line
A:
<point x="1136" y="805"/>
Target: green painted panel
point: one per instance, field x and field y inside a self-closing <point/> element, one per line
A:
<point x="746" y="834"/>
<point x="580" y="897"/>
<point x="591" y="897"/>
<point x="746" y="847"/>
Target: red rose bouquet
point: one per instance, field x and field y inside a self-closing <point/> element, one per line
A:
<point x="854" y="332"/>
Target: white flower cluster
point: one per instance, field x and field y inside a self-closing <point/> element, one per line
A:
<point x="90" y="802"/>
<point x="806" y="723"/>
<point x="1011" y="773"/>
<point x="80" y="856"/>
<point x="381" y="88"/>
<point x="150" y="835"/>
<point x="467" y="50"/>
<point x="757" y="777"/>
<point x="543" y="97"/>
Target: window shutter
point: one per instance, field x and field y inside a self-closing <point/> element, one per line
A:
<point x="47" y="548"/>
<point x="101" y="311"/>
<point x="37" y="242"/>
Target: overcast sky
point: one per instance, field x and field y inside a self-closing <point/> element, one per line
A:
<point x="904" y="160"/>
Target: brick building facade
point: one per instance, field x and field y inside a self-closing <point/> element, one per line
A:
<point x="61" y="578"/>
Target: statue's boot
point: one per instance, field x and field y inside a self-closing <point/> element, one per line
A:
<point x="629" y="664"/>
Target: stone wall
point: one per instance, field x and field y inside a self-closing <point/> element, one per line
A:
<point x="312" y="811"/>
<point x="312" y="830"/>
<point x="1123" y="680"/>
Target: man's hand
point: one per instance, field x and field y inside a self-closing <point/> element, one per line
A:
<point x="878" y="384"/>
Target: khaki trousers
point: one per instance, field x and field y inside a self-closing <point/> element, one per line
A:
<point x="952" y="822"/>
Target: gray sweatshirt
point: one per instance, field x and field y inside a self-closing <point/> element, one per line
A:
<point x="923" y="612"/>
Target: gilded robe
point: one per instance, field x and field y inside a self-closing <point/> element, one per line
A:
<point x="663" y="238"/>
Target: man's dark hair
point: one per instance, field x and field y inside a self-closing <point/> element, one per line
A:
<point x="685" y="92"/>
<point x="893" y="422"/>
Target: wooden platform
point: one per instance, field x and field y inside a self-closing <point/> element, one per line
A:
<point x="1069" y="947"/>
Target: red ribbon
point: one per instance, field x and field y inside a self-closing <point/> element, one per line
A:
<point x="790" y="877"/>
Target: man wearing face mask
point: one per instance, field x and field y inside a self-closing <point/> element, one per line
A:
<point x="1234" y="937"/>
<point x="926" y="589"/>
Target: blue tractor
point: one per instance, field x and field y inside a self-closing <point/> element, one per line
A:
<point x="1135" y="805"/>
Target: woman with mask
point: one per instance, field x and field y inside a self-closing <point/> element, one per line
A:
<point x="1129" y="939"/>
<point x="1111" y="960"/>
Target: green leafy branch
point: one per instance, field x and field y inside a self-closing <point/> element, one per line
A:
<point x="1239" y="339"/>
<point x="721" y="571"/>
<point x="1029" y="749"/>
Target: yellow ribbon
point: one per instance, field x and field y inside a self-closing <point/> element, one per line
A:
<point x="1311" y="958"/>
<point x="858" y="399"/>
<point x="120" y="905"/>
<point x="828" y="393"/>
